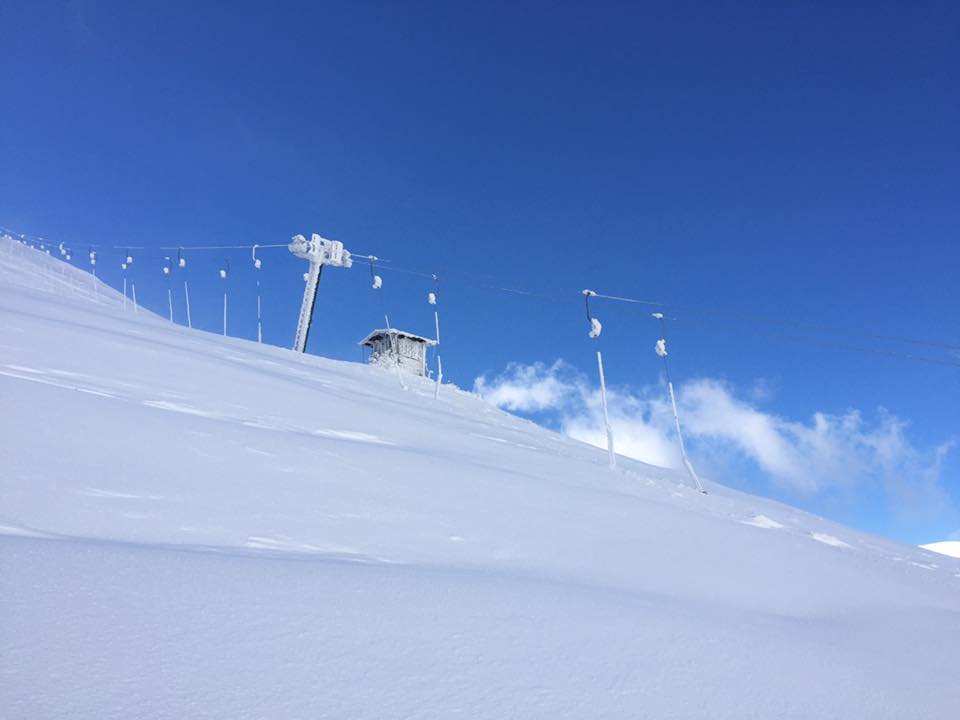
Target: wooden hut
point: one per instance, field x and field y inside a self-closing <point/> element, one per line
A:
<point x="392" y="347"/>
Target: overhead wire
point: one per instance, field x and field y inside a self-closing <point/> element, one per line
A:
<point x="213" y="247"/>
<point x="483" y="282"/>
<point x="786" y="322"/>
<point x="833" y="344"/>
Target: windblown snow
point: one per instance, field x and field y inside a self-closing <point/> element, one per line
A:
<point x="194" y="526"/>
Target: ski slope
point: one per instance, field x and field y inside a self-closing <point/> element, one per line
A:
<point x="197" y="526"/>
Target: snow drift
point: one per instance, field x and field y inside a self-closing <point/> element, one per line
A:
<point x="195" y="526"/>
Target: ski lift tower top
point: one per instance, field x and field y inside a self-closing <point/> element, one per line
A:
<point x="318" y="252"/>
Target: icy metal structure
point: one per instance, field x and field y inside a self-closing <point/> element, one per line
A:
<point x="661" y="349"/>
<point x="318" y="252"/>
<point x="595" y="329"/>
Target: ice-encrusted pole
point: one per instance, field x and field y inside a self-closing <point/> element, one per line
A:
<point x="433" y="298"/>
<point x="127" y="261"/>
<point x="595" y="329"/>
<point x="606" y="416"/>
<point x="168" y="274"/>
<point x="224" y="271"/>
<point x="256" y="266"/>
<point x="182" y="264"/>
<point x="661" y="350"/>
<point x="93" y="270"/>
<point x="186" y="298"/>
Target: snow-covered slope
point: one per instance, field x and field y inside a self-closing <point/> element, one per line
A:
<point x="950" y="548"/>
<point x="195" y="526"/>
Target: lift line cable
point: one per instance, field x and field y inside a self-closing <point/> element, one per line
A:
<point x="787" y="323"/>
<point x="771" y="332"/>
<point x="475" y="280"/>
<point x="799" y="325"/>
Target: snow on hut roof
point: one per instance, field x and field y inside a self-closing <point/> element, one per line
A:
<point x="397" y="333"/>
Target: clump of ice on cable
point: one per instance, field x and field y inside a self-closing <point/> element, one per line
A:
<point x="200" y="526"/>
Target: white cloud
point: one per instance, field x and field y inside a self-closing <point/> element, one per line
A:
<point x="826" y="453"/>
<point x="528" y="388"/>
<point x="561" y="389"/>
<point x="641" y="426"/>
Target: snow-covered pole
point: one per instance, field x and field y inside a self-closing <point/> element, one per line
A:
<point x="595" y="330"/>
<point x="256" y="265"/>
<point x="433" y="298"/>
<point x="224" y="271"/>
<point x="69" y="278"/>
<point x="93" y="269"/>
<point x="661" y="350"/>
<point x="318" y="252"/>
<point x="133" y="292"/>
<point x="127" y="261"/>
<point x="606" y="415"/>
<point x="182" y="264"/>
<point x="186" y="298"/>
<point x="167" y="272"/>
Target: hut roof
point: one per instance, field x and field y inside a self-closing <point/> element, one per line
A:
<point x="397" y="333"/>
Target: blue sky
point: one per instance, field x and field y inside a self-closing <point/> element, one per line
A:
<point x="762" y="162"/>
